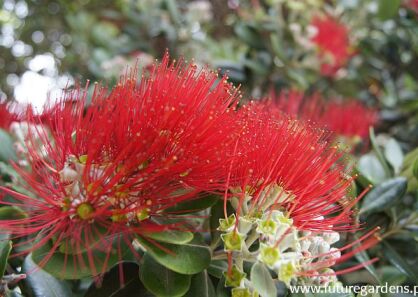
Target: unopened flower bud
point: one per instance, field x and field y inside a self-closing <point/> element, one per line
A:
<point x="234" y="277"/>
<point x="233" y="241"/>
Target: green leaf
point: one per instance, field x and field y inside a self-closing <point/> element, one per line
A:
<point x="43" y="284"/>
<point x="384" y="196"/>
<point x="378" y="153"/>
<point x="161" y="281"/>
<point x="7" y="152"/>
<point x="171" y="236"/>
<point x="5" y="248"/>
<point x="392" y="276"/>
<point x="370" y="167"/>
<point x="388" y="8"/>
<point x="363" y="257"/>
<point x="111" y="284"/>
<point x="201" y="286"/>
<point x="394" y="155"/>
<point x="249" y="35"/>
<point x="189" y="258"/>
<point x="194" y="205"/>
<point x="11" y="213"/>
<point x="221" y="290"/>
<point x="262" y="280"/>
<point x="393" y="257"/>
<point x="62" y="265"/>
<point x="217" y="268"/>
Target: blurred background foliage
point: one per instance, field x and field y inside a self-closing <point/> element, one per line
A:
<point x="259" y="44"/>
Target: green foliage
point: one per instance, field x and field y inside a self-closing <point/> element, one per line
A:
<point x="188" y="258"/>
<point x="260" y="47"/>
<point x="162" y="281"/>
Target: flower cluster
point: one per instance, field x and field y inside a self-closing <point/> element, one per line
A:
<point x="109" y="169"/>
<point x="105" y="171"/>
<point x="332" y="40"/>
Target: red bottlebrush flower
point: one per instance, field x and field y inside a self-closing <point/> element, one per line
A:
<point x="110" y="169"/>
<point x="332" y="40"/>
<point x="295" y="165"/>
<point x="7" y="115"/>
<point x="290" y="193"/>
<point x="348" y="119"/>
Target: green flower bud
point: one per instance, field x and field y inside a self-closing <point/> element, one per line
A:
<point x="233" y="241"/>
<point x="269" y="255"/>
<point x="85" y="210"/>
<point x="234" y="278"/>
<point x="241" y="292"/>
<point x="226" y="224"/>
<point x="267" y="227"/>
<point x="287" y="272"/>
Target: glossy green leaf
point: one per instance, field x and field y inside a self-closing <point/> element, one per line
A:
<point x="392" y="276"/>
<point x="370" y="167"/>
<point x="394" y="155"/>
<point x="388" y="8"/>
<point x="43" y="284"/>
<point x="378" y="153"/>
<point x="7" y="152"/>
<point x="111" y="285"/>
<point x="363" y="257"/>
<point x="393" y="257"/>
<point x="194" y="205"/>
<point x="384" y="196"/>
<point x="62" y="265"/>
<point x="262" y="280"/>
<point x="5" y="248"/>
<point x="162" y="281"/>
<point x="171" y="236"/>
<point x="189" y="258"/>
<point x="201" y="286"/>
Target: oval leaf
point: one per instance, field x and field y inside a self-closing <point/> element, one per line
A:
<point x="42" y="283"/>
<point x="11" y="213"/>
<point x="392" y="255"/>
<point x="112" y="287"/>
<point x="161" y="281"/>
<point x="7" y="152"/>
<point x="394" y="155"/>
<point x="67" y="266"/>
<point x="194" y="205"/>
<point x="189" y="258"/>
<point x="262" y="280"/>
<point x="5" y="248"/>
<point x="384" y="195"/>
<point x="201" y="286"/>
<point x="370" y="167"/>
<point x="171" y="236"/>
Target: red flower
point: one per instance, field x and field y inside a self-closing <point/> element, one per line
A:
<point x="109" y="170"/>
<point x="349" y="119"/>
<point x="7" y="115"/>
<point x="292" y="162"/>
<point x="332" y="40"/>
